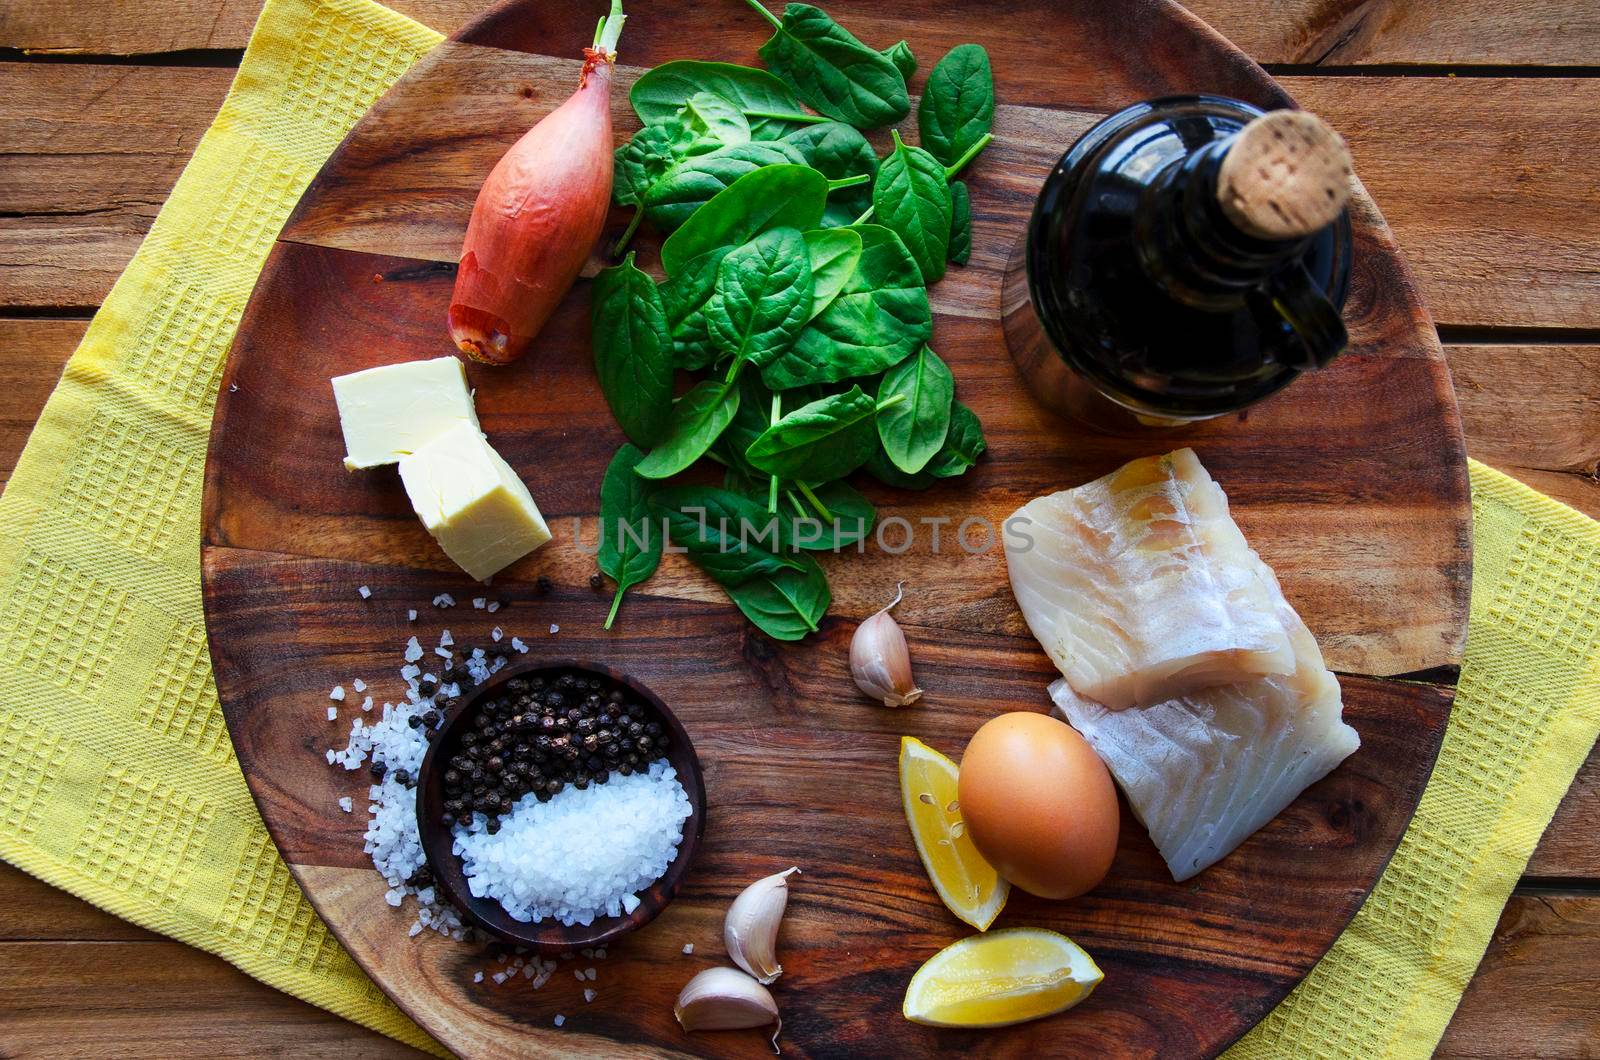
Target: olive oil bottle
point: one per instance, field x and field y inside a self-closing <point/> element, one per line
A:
<point x="1186" y="258"/>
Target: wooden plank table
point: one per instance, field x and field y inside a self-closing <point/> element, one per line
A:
<point x="1471" y="126"/>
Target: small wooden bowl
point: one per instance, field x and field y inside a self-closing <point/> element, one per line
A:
<point x="551" y="936"/>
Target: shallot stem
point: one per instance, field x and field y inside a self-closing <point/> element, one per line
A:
<point x="610" y="28"/>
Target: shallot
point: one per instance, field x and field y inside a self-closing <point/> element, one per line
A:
<point x="538" y="215"/>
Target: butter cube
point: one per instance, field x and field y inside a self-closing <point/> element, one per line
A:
<point x="396" y="409"/>
<point x="471" y="501"/>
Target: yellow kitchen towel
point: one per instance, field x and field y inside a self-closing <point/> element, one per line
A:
<point x="117" y="780"/>
<point x="1525" y="718"/>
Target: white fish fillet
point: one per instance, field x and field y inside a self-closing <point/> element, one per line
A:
<point x="1141" y="588"/>
<point x="1205" y="770"/>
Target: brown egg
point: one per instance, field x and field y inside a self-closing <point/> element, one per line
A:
<point x="1039" y="804"/>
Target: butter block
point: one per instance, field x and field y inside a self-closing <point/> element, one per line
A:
<point x="391" y="411"/>
<point x="471" y="501"/>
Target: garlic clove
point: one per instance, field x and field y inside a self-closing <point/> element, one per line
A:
<point x="750" y="930"/>
<point x="880" y="662"/>
<point x="725" y="999"/>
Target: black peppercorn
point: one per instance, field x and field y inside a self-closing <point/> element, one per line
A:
<point x="378" y="770"/>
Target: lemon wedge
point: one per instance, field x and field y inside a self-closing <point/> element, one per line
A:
<point x="1004" y="977"/>
<point x="966" y="883"/>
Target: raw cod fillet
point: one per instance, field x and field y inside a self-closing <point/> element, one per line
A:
<point x="1141" y="588"/>
<point x="1205" y="770"/>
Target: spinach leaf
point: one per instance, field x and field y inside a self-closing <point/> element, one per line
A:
<point x="849" y="519"/>
<point x="912" y="197"/>
<point x="684" y="297"/>
<point x="880" y="467"/>
<point x="633" y="351"/>
<point x="755" y="402"/>
<point x="962" y="446"/>
<point x="694" y="181"/>
<point x="771" y="197"/>
<point x="832" y="70"/>
<point x="823" y="440"/>
<point x="835" y="253"/>
<point x="960" y="223"/>
<point x="730" y="537"/>
<point x="838" y="151"/>
<point x="913" y="431"/>
<point x="957" y="105"/>
<point x="659" y="92"/>
<point x="750" y="486"/>
<point x="786" y="605"/>
<point x="630" y="539"/>
<point x="698" y="418"/>
<point x="708" y="116"/>
<point x="762" y="298"/>
<point x="880" y="318"/>
<point x="899" y="53"/>
<point x="643" y="160"/>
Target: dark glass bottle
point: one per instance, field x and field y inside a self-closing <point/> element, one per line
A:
<point x="1137" y="297"/>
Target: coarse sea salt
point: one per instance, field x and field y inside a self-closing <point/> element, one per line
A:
<point x="392" y="839"/>
<point x="688" y="947"/>
<point x="333" y="713"/>
<point x="366" y="593"/>
<point x="411" y="615"/>
<point x="444" y="600"/>
<point x="545" y="861"/>
<point x="347" y="804"/>
<point x="589" y="995"/>
<point x="337" y="694"/>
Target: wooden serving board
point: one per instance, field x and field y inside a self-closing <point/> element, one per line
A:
<point x="1351" y="484"/>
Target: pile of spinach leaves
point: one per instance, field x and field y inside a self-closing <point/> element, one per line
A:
<point x="797" y="264"/>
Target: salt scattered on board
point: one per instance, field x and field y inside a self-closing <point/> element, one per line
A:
<point x="366" y="593"/>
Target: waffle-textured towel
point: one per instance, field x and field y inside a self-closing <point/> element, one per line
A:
<point x="117" y="780"/>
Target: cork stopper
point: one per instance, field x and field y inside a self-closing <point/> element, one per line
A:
<point x="1285" y="177"/>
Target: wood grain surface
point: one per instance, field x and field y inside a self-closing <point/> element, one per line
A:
<point x="1309" y="32"/>
<point x="1371" y="537"/>
<point x="1490" y="209"/>
<point x="1544" y="960"/>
